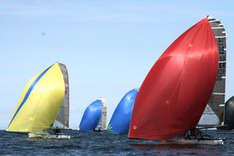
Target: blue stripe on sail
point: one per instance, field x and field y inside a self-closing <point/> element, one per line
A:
<point x="29" y="91"/>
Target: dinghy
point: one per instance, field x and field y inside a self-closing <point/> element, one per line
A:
<point x="178" y="87"/>
<point x="44" y="104"/>
<point x="121" y="118"/>
<point x="94" y="117"/>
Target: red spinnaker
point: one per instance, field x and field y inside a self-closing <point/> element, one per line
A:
<point x="175" y="92"/>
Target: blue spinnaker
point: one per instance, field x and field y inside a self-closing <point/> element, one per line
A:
<point x="91" y="116"/>
<point x="121" y="118"/>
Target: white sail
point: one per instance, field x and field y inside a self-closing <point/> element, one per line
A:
<point x="209" y="118"/>
<point x="102" y="122"/>
<point x="62" y="120"/>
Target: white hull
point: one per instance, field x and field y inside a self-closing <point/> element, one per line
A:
<point x="44" y="135"/>
<point x="102" y="122"/>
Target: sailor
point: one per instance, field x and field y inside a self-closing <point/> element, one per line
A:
<point x="97" y="130"/>
<point x="56" y="131"/>
<point x="193" y="133"/>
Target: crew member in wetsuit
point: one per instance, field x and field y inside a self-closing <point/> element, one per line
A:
<point x="56" y="131"/>
<point x="97" y="130"/>
<point x="193" y="133"/>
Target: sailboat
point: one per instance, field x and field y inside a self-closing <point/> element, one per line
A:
<point x="176" y="91"/>
<point x="44" y="104"/>
<point x="121" y="118"/>
<point x="94" y="117"/>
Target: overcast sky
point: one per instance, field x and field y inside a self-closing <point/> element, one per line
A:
<point x="107" y="46"/>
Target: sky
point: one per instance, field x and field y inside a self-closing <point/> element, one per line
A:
<point x="107" y="46"/>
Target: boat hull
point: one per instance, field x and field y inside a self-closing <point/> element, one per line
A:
<point x="48" y="136"/>
<point x="195" y="141"/>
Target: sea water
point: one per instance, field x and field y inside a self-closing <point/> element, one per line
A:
<point x="104" y="143"/>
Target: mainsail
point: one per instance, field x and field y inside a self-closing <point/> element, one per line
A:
<point x="102" y="122"/>
<point x="176" y="91"/>
<point x="217" y="99"/>
<point x="62" y="120"/>
<point x="209" y="118"/>
<point x="40" y="102"/>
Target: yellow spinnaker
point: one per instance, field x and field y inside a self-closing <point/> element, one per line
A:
<point x="40" y="102"/>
